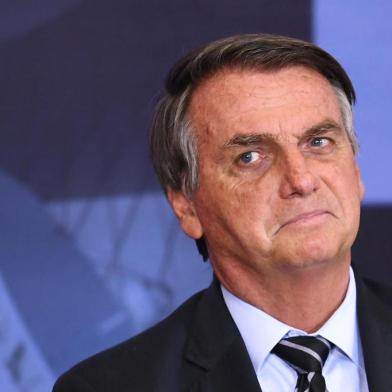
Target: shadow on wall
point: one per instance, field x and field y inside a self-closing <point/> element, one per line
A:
<point x="77" y="90"/>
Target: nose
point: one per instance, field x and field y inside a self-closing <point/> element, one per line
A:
<point x="297" y="178"/>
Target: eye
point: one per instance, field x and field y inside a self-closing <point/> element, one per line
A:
<point x="249" y="157"/>
<point x="320" y="142"/>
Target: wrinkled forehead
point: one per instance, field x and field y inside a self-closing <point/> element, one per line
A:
<point x="267" y="102"/>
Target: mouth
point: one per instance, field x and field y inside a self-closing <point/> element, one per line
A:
<point x="306" y="218"/>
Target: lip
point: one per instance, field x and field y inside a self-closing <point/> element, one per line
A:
<point x="306" y="217"/>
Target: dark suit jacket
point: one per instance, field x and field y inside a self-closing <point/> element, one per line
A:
<point x="199" y="349"/>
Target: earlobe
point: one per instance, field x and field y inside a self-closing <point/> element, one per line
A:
<point x="186" y="214"/>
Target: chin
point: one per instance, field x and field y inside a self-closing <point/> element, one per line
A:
<point x="311" y="254"/>
<point x="303" y="263"/>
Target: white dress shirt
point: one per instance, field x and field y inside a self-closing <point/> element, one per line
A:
<point x="344" y="368"/>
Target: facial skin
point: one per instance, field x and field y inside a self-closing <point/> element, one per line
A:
<point x="279" y="188"/>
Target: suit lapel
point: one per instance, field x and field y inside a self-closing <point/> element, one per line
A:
<point x="216" y="353"/>
<point x="375" y="324"/>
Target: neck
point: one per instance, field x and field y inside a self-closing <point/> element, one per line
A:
<point x="303" y="298"/>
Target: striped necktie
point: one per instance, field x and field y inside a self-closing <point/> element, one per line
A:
<point x="307" y="355"/>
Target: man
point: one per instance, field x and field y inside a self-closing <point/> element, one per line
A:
<point x="255" y="148"/>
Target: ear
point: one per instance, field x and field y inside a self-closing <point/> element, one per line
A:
<point x="186" y="214"/>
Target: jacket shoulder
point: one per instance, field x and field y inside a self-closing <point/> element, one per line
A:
<point x="380" y="291"/>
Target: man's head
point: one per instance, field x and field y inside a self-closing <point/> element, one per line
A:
<point x="254" y="145"/>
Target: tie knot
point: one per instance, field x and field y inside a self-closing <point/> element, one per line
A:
<point x="305" y="354"/>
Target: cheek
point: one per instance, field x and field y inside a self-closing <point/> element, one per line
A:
<point x="254" y="209"/>
<point x="354" y="184"/>
<point x="230" y="203"/>
<point x="347" y="188"/>
<point x="228" y="207"/>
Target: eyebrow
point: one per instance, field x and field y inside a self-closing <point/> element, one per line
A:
<point x="248" y="139"/>
<point x="252" y="139"/>
<point x="324" y="126"/>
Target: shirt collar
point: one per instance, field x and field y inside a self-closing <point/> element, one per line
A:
<point x="253" y="322"/>
<point x="345" y="317"/>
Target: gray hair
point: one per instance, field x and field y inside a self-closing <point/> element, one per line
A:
<point x="346" y="111"/>
<point x="172" y="140"/>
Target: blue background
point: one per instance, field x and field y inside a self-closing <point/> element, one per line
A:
<point x="90" y="252"/>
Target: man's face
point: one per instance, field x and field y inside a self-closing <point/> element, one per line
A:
<point x="279" y="185"/>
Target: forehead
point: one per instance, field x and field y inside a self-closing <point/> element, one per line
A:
<point x="274" y="102"/>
